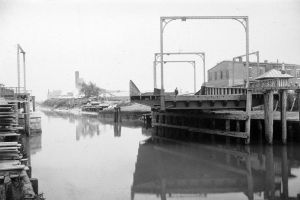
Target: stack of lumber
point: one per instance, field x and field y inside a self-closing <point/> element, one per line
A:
<point x="8" y="122"/>
<point x="14" y="181"/>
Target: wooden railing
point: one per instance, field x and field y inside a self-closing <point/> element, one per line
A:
<point x="270" y="84"/>
<point x="223" y="90"/>
<point x="12" y="91"/>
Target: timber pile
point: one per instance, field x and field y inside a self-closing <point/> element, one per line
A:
<point x="14" y="181"/>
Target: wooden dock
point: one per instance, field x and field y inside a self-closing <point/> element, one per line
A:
<point x="226" y="111"/>
<point x="15" y="167"/>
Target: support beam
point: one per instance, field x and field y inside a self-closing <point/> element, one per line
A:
<point x="27" y="116"/>
<point x="268" y="112"/>
<point x="33" y="103"/>
<point x="248" y="111"/>
<point x="283" y="105"/>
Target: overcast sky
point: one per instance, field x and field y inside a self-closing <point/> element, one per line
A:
<point x="113" y="41"/>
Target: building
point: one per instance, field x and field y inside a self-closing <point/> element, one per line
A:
<point x="78" y="80"/>
<point x="229" y="73"/>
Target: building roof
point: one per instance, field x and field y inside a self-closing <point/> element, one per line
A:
<point x="273" y="73"/>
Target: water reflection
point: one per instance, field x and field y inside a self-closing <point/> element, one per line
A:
<point x="168" y="169"/>
<point x="89" y="125"/>
<point x="35" y="141"/>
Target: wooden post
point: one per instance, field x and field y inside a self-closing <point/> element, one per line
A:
<point x="283" y="105"/>
<point x="117" y="114"/>
<point x="260" y="130"/>
<point x="268" y="113"/>
<point x="27" y="116"/>
<point x="248" y="111"/>
<point x="33" y="103"/>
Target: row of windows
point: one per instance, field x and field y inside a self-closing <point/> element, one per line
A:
<point x="224" y="75"/>
<point x="218" y="75"/>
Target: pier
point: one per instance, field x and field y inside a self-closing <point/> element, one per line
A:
<point x="226" y="111"/>
<point x="15" y="163"/>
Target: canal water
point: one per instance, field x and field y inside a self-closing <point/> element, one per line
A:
<point x="92" y="158"/>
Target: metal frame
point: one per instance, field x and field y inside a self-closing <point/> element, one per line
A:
<point x="177" y="61"/>
<point x="157" y="55"/>
<point x="20" y="50"/>
<point x="240" y="57"/>
<point x="164" y="21"/>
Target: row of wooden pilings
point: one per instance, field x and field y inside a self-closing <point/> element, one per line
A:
<point x="236" y="131"/>
<point x="268" y="113"/>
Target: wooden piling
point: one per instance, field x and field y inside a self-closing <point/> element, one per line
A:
<point x="268" y="113"/>
<point x="283" y="105"/>
<point x="248" y="120"/>
<point x="117" y="114"/>
<point x="27" y="117"/>
<point x="33" y="103"/>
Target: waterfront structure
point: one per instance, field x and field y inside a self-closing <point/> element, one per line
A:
<point x="230" y="73"/>
<point x="15" y="162"/>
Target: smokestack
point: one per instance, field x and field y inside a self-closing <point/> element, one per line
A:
<point x="76" y="79"/>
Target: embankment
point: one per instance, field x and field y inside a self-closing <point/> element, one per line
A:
<point x="129" y="111"/>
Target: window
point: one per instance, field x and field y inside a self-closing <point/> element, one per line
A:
<point x="251" y="72"/>
<point x="216" y="75"/>
<point x="227" y="74"/>
<point x="298" y="73"/>
<point x="221" y="75"/>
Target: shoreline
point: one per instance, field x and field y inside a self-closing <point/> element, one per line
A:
<point x="131" y="112"/>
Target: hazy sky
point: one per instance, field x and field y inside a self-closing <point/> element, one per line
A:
<point x="113" y="41"/>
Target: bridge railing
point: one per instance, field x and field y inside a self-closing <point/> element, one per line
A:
<point x="270" y="84"/>
<point x="223" y="90"/>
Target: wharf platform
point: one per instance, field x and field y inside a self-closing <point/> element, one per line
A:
<point x="15" y="163"/>
<point x="226" y="111"/>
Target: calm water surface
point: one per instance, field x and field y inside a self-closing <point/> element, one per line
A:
<point x="89" y="158"/>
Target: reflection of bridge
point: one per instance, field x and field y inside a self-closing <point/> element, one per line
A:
<point x="164" y="168"/>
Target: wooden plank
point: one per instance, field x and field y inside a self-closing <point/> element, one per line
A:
<point x="9" y="144"/>
<point x="9" y="134"/>
<point x="11" y="167"/>
<point x="213" y="115"/>
<point x="207" y="98"/>
<point x="207" y="131"/>
<point x="220" y="132"/>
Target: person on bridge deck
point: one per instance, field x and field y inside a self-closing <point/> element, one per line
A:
<point x="176" y="92"/>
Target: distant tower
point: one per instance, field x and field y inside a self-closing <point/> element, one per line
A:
<point x="77" y="79"/>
